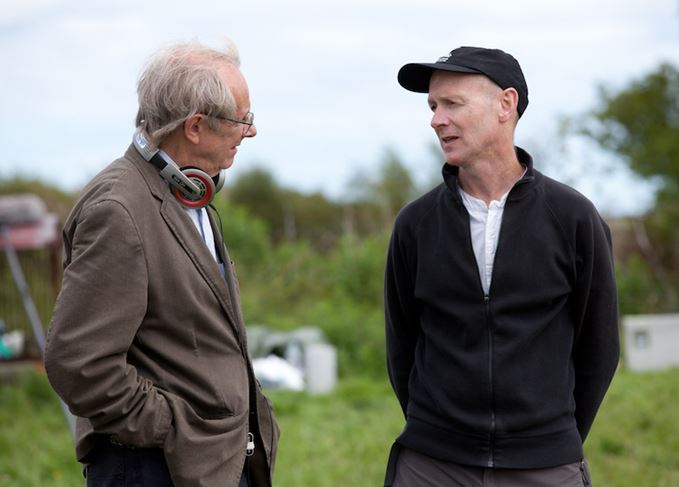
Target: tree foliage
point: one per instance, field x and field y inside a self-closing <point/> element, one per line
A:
<point x="370" y="206"/>
<point x="394" y="186"/>
<point x="259" y="192"/>
<point x="640" y="125"/>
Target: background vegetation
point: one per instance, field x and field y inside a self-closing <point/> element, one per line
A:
<point x="343" y="439"/>
<point x="307" y="260"/>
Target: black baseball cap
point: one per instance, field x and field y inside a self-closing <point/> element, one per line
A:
<point x="497" y="65"/>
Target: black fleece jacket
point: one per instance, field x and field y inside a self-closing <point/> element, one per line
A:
<point x="512" y="379"/>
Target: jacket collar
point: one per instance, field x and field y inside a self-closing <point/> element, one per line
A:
<point x="157" y="185"/>
<point x="519" y="190"/>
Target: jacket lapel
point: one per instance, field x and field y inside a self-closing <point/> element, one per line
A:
<point x="190" y="240"/>
<point x="229" y="271"/>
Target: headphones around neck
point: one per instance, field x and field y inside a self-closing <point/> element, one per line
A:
<point x="193" y="187"/>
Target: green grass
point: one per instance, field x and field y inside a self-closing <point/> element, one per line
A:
<point x="635" y="439"/>
<point x="36" y="449"/>
<point x="343" y="439"/>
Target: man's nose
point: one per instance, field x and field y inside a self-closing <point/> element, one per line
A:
<point x="438" y="119"/>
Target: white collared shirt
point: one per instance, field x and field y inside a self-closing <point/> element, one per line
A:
<point x="200" y="219"/>
<point x="484" y="224"/>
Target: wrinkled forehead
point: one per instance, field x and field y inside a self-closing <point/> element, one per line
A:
<point x="234" y="78"/>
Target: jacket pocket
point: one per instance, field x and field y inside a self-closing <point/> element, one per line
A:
<point x="230" y="382"/>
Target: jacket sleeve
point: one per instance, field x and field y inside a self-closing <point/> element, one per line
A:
<point x="597" y="343"/>
<point x="101" y="305"/>
<point x="401" y="319"/>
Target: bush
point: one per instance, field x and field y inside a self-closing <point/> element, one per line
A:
<point x="245" y="235"/>
<point x="637" y="291"/>
<point x="294" y="284"/>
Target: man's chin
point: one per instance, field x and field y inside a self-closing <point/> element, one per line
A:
<point x="226" y="165"/>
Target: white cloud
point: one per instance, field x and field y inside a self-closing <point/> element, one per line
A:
<point x="14" y="11"/>
<point x="322" y="74"/>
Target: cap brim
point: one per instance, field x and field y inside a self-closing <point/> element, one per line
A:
<point x="415" y="76"/>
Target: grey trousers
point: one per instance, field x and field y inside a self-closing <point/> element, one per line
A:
<point x="416" y="470"/>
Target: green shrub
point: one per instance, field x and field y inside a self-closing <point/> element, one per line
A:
<point x="637" y="290"/>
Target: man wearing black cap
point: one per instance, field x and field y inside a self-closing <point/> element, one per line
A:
<point x="500" y="298"/>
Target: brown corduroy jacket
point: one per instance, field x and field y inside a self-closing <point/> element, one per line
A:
<point x="147" y="343"/>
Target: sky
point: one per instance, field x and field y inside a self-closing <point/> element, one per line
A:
<point x="322" y="77"/>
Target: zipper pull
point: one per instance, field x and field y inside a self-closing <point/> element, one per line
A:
<point x="250" y="446"/>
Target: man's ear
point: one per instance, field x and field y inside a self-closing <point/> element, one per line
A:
<point x="194" y="127"/>
<point x="509" y="100"/>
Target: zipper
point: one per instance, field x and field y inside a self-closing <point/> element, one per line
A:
<point x="489" y="325"/>
<point x="491" y="432"/>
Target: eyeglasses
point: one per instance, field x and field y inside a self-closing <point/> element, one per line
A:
<point x="247" y="121"/>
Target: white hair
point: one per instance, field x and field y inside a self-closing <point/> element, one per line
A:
<point x="180" y="81"/>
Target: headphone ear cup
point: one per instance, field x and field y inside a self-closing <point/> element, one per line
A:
<point x="219" y="180"/>
<point x="203" y="181"/>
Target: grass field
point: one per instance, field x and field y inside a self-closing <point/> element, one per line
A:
<point x="342" y="439"/>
